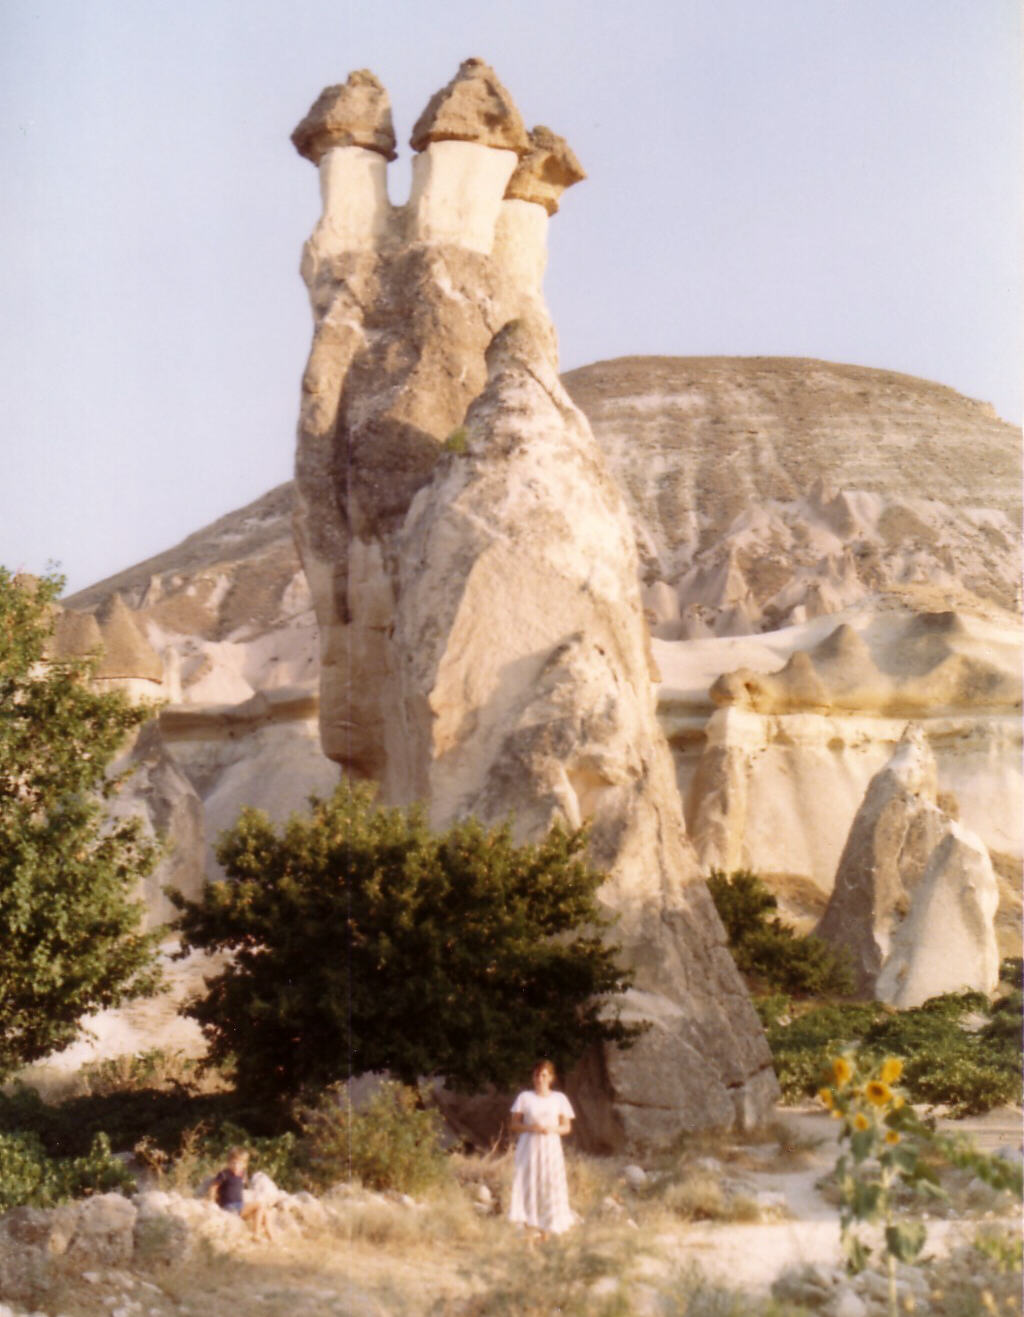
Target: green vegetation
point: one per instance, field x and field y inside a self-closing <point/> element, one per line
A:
<point x="960" y="1050"/>
<point x="457" y="442"/>
<point x="770" y="955"/>
<point x="887" y="1160"/>
<point x="69" y="927"/>
<point x="29" y="1175"/>
<point x="362" y="941"/>
<point x="394" y="1142"/>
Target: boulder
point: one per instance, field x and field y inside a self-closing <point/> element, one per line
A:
<point x="947" y="941"/>
<point x="895" y="830"/>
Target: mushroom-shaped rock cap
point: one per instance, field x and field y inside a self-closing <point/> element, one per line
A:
<point x="547" y="169"/>
<point x="474" y="107"/>
<point x="354" y="113"/>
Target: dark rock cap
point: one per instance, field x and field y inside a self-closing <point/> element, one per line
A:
<point x="473" y="107"/>
<point x="354" y="113"/>
<point x="547" y="169"/>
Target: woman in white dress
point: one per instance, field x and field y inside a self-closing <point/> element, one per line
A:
<point x="541" y="1118"/>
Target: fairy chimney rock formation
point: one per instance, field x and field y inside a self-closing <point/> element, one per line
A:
<point x="475" y="577"/>
<point x="405" y="300"/>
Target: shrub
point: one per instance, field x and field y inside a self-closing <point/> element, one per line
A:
<point x="360" y="941"/>
<point x="767" y="951"/>
<point x="394" y="1142"/>
<point x="944" y="1062"/>
<point x="29" y="1176"/>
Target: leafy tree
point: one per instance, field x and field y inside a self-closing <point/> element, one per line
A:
<point x="359" y="941"/>
<point x="69" y="927"/>
<point x="767" y="951"/>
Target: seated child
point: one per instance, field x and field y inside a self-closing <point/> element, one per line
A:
<point x="226" y="1190"/>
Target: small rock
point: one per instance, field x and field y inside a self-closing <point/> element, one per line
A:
<point x="848" y="1303"/>
<point x="711" y="1165"/>
<point x="604" y="1288"/>
<point x="635" y="1176"/>
<point x="483" y="1195"/>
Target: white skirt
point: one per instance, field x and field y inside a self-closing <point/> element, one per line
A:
<point x="540" y="1195"/>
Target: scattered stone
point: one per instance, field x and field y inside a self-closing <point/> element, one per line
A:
<point x="635" y="1176"/>
<point x="848" y="1303"/>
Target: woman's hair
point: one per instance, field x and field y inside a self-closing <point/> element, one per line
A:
<point x="238" y="1155"/>
<point x="544" y="1065"/>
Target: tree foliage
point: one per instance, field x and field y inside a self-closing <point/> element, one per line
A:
<point x="359" y="940"/>
<point x="69" y="927"/>
<point x="770" y="954"/>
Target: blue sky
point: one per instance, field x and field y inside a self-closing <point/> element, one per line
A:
<point x="775" y="177"/>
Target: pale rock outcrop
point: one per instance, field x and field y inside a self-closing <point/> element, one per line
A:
<point x="774" y="757"/>
<point x="401" y="327"/>
<point x="525" y="681"/>
<point x="157" y="791"/>
<point x="779" y="487"/>
<point x="894" y="833"/>
<point x="483" y="646"/>
<point x="947" y="941"/>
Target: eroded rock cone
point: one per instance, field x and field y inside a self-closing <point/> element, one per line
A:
<point x="526" y="688"/>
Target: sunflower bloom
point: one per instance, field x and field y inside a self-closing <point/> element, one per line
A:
<point x="842" y="1071"/>
<point x="891" y="1136"/>
<point x="877" y="1093"/>
<point x="898" y="1101"/>
<point x="825" y="1096"/>
<point x="860" y="1121"/>
<point x="892" y="1068"/>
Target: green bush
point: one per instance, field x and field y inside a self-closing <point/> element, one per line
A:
<point x="968" y="1069"/>
<point x="360" y="941"/>
<point x="391" y="1143"/>
<point x="770" y="955"/>
<point x="29" y="1176"/>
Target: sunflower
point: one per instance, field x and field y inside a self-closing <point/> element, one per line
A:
<point x="892" y="1068"/>
<point x="877" y="1093"/>
<point x="891" y="1136"/>
<point x="860" y="1121"/>
<point x="842" y="1071"/>
<point x="825" y="1096"/>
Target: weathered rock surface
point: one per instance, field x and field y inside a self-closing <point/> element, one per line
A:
<point x="526" y="689"/>
<point x="915" y="896"/>
<point x="547" y="169"/>
<point x="947" y="941"/>
<point x="483" y="643"/>
<point x="774" y="758"/>
<point x="473" y="107"/>
<point x="354" y="113"/>
<point x="773" y="490"/>
<point x="894" y="833"/>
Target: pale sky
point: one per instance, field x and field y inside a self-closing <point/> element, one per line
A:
<point x="825" y="178"/>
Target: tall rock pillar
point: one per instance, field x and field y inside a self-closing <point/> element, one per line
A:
<point x="474" y="568"/>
